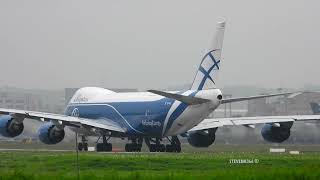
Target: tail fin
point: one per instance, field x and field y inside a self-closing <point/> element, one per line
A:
<point x="210" y="63"/>
<point x="315" y="108"/>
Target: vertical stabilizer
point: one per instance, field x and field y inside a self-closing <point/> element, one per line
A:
<point x="210" y="64"/>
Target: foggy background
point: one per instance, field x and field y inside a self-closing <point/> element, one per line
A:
<point x="156" y="44"/>
<point x="145" y="44"/>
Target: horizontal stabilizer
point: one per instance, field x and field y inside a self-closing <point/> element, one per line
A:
<point x="223" y="101"/>
<point x="185" y="99"/>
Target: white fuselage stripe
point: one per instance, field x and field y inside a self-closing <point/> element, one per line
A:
<point x="171" y="110"/>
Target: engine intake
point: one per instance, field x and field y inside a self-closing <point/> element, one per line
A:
<point x="9" y="127"/>
<point x="202" y="138"/>
<point x="50" y="134"/>
<point x="275" y="134"/>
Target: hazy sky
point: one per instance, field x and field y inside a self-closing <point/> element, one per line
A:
<point x="156" y="44"/>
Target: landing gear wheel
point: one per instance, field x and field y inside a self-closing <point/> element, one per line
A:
<point x="175" y="145"/>
<point x="108" y="147"/>
<point x="80" y="146"/>
<point x="104" y="146"/>
<point x="135" y="146"/>
<point x="101" y="147"/>
<point x="85" y="146"/>
<point x="152" y="148"/>
<point x="161" y="148"/>
<point x="169" y="148"/>
<point x="173" y="148"/>
<point x="157" y="146"/>
<point x="127" y="148"/>
<point x="178" y="149"/>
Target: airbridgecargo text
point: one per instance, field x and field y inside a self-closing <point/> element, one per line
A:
<point x="151" y="123"/>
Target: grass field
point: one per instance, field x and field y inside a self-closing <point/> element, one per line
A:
<point x="61" y="165"/>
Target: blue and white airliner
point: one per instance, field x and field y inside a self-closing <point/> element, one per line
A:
<point x="150" y="116"/>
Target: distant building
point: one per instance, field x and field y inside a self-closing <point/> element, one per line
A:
<point x="296" y="105"/>
<point x="35" y="100"/>
<point x="259" y="107"/>
<point x="299" y="104"/>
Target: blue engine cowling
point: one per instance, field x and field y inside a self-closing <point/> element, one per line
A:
<point x="50" y="134"/>
<point x="9" y="127"/>
<point x="202" y="138"/>
<point x="275" y="134"/>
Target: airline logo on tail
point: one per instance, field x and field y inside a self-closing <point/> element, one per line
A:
<point x="208" y="68"/>
<point x="213" y="64"/>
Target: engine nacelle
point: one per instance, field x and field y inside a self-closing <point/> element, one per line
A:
<point x="9" y="127"/>
<point x="275" y="134"/>
<point x="202" y="138"/>
<point x="50" y="134"/>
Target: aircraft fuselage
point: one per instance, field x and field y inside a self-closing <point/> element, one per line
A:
<point x="142" y="113"/>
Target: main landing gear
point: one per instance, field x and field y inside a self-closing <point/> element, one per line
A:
<point x="104" y="146"/>
<point x="135" y="146"/>
<point x="83" y="145"/>
<point x="155" y="145"/>
<point x="174" y="146"/>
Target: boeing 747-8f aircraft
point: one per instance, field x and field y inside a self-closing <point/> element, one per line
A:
<point x="149" y="116"/>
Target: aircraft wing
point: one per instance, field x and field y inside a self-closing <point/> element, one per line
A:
<point x="65" y="120"/>
<point x="219" y="122"/>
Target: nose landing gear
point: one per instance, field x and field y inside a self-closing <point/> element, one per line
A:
<point x="83" y="145"/>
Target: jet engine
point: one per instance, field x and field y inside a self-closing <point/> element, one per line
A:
<point x="50" y="133"/>
<point x="276" y="133"/>
<point x="10" y="126"/>
<point x="202" y="138"/>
